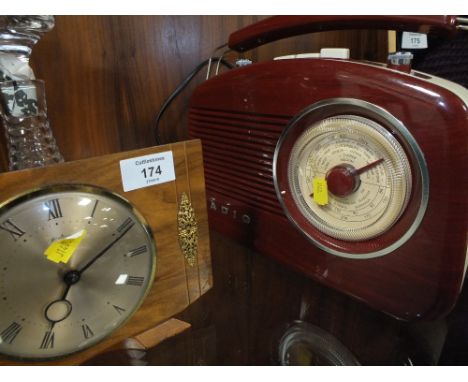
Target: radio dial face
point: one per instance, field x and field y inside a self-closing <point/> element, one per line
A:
<point x="364" y="169"/>
<point x="351" y="178"/>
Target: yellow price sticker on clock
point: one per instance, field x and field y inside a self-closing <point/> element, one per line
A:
<point x="320" y="190"/>
<point x="63" y="249"/>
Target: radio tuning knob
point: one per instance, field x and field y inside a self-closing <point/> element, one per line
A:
<point x="400" y="61"/>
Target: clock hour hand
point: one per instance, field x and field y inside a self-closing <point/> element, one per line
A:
<point x="121" y="231"/>
<point x="59" y="310"/>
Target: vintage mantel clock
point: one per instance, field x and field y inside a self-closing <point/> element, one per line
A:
<point x="77" y="261"/>
<point x="85" y="264"/>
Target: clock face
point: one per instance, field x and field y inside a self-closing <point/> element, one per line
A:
<point x="75" y="263"/>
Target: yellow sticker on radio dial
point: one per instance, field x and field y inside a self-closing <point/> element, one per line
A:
<point x="320" y="190"/>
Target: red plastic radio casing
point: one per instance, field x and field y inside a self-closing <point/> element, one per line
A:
<point x="239" y="116"/>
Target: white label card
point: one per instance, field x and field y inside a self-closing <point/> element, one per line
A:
<point x="147" y="170"/>
<point x="410" y="40"/>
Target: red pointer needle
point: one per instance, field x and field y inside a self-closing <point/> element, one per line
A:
<point x="359" y="171"/>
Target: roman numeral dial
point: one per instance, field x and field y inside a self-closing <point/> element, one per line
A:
<point x="10" y="227"/>
<point x="135" y="280"/>
<point x="87" y="332"/>
<point x="125" y="226"/>
<point x="48" y="340"/>
<point x="119" y="309"/>
<point x="9" y="334"/>
<point x="94" y="208"/>
<point x="137" y="251"/>
<point x="76" y="262"/>
<point x="54" y="209"/>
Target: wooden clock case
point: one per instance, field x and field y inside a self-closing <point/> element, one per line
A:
<point x="177" y="284"/>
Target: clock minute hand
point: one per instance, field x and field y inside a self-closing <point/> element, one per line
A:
<point x="122" y="230"/>
<point x="65" y="307"/>
<point x="73" y="276"/>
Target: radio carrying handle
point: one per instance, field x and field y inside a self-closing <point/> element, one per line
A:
<point x="278" y="27"/>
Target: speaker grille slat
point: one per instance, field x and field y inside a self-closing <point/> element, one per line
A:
<point x="238" y="151"/>
<point x="254" y="119"/>
<point x="235" y="145"/>
<point x="240" y="135"/>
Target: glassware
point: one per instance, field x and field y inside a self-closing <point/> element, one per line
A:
<point x="18" y="35"/>
<point x="29" y="138"/>
<point x="304" y="344"/>
<point x="23" y="110"/>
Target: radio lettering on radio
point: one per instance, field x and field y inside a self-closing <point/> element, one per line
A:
<point x="228" y="211"/>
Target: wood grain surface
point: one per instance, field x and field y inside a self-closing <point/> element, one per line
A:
<point x="176" y="284"/>
<point x="107" y="76"/>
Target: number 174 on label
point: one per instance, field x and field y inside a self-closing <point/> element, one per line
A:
<point x="147" y="170"/>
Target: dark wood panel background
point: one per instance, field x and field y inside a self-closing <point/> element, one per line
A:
<point x="106" y="77"/>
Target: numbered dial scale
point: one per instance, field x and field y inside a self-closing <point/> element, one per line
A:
<point x="346" y="180"/>
<point x="75" y="263"/>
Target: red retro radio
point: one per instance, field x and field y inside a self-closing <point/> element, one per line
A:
<point x="354" y="173"/>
